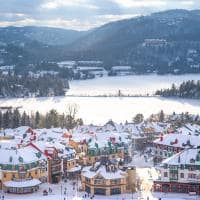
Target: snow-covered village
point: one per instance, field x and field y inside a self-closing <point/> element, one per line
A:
<point x="155" y="158"/>
<point x="99" y="99"/>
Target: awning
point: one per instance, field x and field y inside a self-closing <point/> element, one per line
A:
<point x="22" y="183"/>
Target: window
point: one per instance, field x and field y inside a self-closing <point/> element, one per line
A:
<point x="165" y="166"/>
<point x="99" y="191"/>
<point x="165" y="174"/>
<point x="182" y="175"/>
<point x="191" y="176"/>
<point x="191" y="168"/>
<point x="115" y="191"/>
<point x="99" y="182"/>
<point x="4" y="175"/>
<point x="182" y="167"/>
<point x="87" y="180"/>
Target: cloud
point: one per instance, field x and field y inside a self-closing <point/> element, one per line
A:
<point x="55" y="4"/>
<point x="187" y="3"/>
<point x="110" y="18"/>
<point x="140" y="3"/>
<point x="82" y="14"/>
<point x="24" y="22"/>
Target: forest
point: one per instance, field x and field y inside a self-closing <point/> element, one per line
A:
<point x="26" y="86"/>
<point x="188" y="89"/>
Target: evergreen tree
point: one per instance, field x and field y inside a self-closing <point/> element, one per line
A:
<point x="6" y="120"/>
<point x="24" y="119"/>
<point x="161" y="116"/>
<point x="1" y="120"/>
<point x="138" y="118"/>
<point x="16" y="119"/>
<point x="37" y="119"/>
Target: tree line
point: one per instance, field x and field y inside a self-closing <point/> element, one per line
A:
<point x="25" y="86"/>
<point x="14" y="118"/>
<point x="188" y="89"/>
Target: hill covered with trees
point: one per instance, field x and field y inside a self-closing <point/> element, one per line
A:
<point x="164" y="42"/>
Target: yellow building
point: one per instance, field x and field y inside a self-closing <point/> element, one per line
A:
<point x="64" y="158"/>
<point x="21" y="167"/>
<point x="107" y="179"/>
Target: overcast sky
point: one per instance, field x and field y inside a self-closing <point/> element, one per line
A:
<point x="81" y="14"/>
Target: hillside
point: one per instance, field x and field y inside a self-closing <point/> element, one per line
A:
<point x="164" y="42"/>
<point x="159" y="42"/>
<point x="44" y="35"/>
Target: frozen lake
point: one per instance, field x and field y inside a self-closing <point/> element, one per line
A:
<point x="137" y="84"/>
<point x="99" y="110"/>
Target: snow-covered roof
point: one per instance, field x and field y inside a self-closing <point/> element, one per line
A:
<point x="62" y="149"/>
<point x="186" y="157"/>
<point x="179" y="140"/>
<point x="8" y="144"/>
<point x="121" y="68"/>
<point x="99" y="136"/>
<point x="191" y="129"/>
<point x="22" y="184"/>
<point x="23" y="155"/>
<point x="118" y="174"/>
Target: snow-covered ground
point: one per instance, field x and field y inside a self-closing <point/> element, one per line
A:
<point x="58" y="191"/>
<point x="99" y="110"/>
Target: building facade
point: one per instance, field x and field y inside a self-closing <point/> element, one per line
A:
<point x="180" y="173"/>
<point x="170" y="144"/>
<point x="108" y="179"/>
<point x="25" y="165"/>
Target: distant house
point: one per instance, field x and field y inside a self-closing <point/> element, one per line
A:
<point x="154" y="42"/>
<point x="121" y="70"/>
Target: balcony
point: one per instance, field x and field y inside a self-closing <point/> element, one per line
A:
<point x="194" y="180"/>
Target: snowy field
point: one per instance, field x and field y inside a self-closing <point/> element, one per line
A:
<point x="99" y="110"/>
